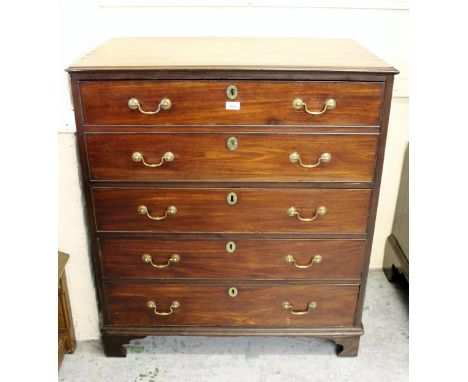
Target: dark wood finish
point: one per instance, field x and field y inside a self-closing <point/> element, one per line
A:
<point x="66" y="329"/>
<point x="395" y="263"/>
<point x="252" y="259"/>
<point x="396" y="254"/>
<point x="139" y="331"/>
<point x="210" y="305"/>
<point x="205" y="157"/>
<point x="354" y="68"/>
<point x="226" y="74"/>
<point x="93" y="242"/>
<point x="244" y="185"/>
<point x="204" y="102"/>
<point x="234" y="129"/>
<point x="114" y="345"/>
<point x="347" y="346"/>
<point x="375" y="194"/>
<point x="207" y="210"/>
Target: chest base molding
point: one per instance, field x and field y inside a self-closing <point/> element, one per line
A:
<point x="346" y="338"/>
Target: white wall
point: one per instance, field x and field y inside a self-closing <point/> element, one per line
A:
<point x="382" y="29"/>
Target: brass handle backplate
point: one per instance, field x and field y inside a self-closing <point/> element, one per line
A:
<point x="167" y="157"/>
<point x="143" y="210"/>
<point x="148" y="259"/>
<point x="311" y="305"/>
<point x="165" y="104"/>
<point x="320" y="211"/>
<point x="295" y="157"/>
<point x="289" y="259"/>
<point x="154" y="306"/>
<point x="298" y="104"/>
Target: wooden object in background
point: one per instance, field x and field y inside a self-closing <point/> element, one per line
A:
<point x="66" y="330"/>
<point x="160" y="125"/>
<point x="396" y="257"/>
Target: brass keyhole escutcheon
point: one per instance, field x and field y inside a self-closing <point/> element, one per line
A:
<point x="232" y="198"/>
<point x="230" y="246"/>
<point x="232" y="292"/>
<point x="231" y="92"/>
<point x="232" y="143"/>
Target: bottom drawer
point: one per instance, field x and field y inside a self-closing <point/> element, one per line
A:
<point x="220" y="305"/>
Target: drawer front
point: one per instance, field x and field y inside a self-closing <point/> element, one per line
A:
<point x="204" y="102"/>
<point x="211" y="305"/>
<point x="208" y="210"/>
<point x="273" y="259"/>
<point x="253" y="157"/>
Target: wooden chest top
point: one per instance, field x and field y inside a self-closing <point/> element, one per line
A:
<point x="146" y="53"/>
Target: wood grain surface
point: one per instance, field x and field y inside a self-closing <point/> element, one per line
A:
<point x="204" y="102"/>
<point x="207" y="210"/>
<point x="211" y="305"/>
<point x="206" y="157"/>
<point x="156" y="53"/>
<point x="257" y="259"/>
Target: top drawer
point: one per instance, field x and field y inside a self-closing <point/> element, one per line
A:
<point x="257" y="103"/>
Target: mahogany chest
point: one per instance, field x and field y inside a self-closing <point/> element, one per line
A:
<point x="231" y="184"/>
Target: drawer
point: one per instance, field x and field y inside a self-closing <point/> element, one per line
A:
<point x="272" y="259"/>
<point x="212" y="305"/>
<point x="251" y="157"/>
<point x="204" y="103"/>
<point x="208" y="210"/>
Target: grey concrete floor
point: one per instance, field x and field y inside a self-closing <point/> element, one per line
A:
<point x="383" y="353"/>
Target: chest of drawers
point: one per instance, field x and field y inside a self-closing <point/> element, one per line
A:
<point x="231" y="184"/>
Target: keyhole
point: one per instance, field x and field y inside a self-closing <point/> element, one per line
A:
<point x="232" y="198"/>
<point x="230" y="246"/>
<point x="231" y="92"/>
<point x="232" y="292"/>
<point x="232" y="143"/>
